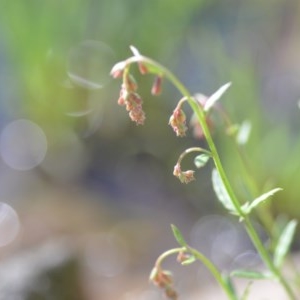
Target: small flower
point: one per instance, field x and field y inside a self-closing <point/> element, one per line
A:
<point x="164" y="280"/>
<point x="157" y="86"/>
<point x="178" y="122"/>
<point x="177" y="170"/>
<point x="134" y="106"/>
<point x="187" y="176"/>
<point x="161" y="278"/>
<point x="183" y="176"/>
<point x="142" y="67"/>
<point x="132" y="101"/>
<point x="182" y="256"/>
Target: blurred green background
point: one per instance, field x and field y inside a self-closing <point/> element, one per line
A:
<point x="75" y="151"/>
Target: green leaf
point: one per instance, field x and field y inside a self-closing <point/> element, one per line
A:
<point x="178" y="236"/>
<point x="247" y="207"/>
<point x="201" y="160"/>
<point x="250" y="274"/>
<point x="284" y="242"/>
<point x="216" y="96"/>
<point x="221" y="192"/>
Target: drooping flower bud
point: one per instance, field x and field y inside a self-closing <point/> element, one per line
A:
<point x="142" y="67"/>
<point x="183" y="176"/>
<point x="178" y="122"/>
<point x="117" y="70"/>
<point x="187" y="176"/>
<point x="157" y="86"/>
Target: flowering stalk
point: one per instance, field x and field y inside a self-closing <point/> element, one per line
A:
<point x="187" y="176"/>
<point x="178" y="122"/>
<point x="163" y="278"/>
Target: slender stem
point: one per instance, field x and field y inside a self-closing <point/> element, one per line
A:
<point x="214" y="271"/>
<point x="207" y="263"/>
<point x="164" y="255"/>
<point x="190" y="150"/>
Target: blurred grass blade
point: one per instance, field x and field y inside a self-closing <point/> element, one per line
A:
<point x="228" y="282"/>
<point x="178" y="236"/>
<point x="248" y="208"/>
<point x="216" y="96"/>
<point x="247" y="291"/>
<point x="284" y="242"/>
<point x="201" y="160"/>
<point x="221" y="192"/>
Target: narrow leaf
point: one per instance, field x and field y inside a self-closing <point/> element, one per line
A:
<point x="228" y="282"/>
<point x="216" y="96"/>
<point x="250" y="274"/>
<point x="221" y="192"/>
<point x="246" y="292"/>
<point x="260" y="199"/>
<point x="178" y="236"/>
<point x="201" y="160"/>
<point x="284" y="242"/>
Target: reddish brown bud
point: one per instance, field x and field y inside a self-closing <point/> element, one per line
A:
<point x="121" y="101"/>
<point x="157" y="86"/>
<point x="178" y="122"/>
<point x="182" y="256"/>
<point x="177" y="170"/>
<point x="142" y="67"/>
<point x="117" y="70"/>
<point x="184" y="177"/>
<point x="187" y="176"/>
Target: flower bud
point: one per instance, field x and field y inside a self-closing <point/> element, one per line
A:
<point x="157" y="86"/>
<point x="184" y="177"/>
<point x="142" y="67"/>
<point x="178" y="122"/>
<point x="117" y="70"/>
<point x="187" y="176"/>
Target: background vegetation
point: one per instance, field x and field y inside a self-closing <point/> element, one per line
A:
<point x="55" y="61"/>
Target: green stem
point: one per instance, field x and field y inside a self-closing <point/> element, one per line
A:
<point x="190" y="150"/>
<point x="207" y="263"/>
<point x="201" y="118"/>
